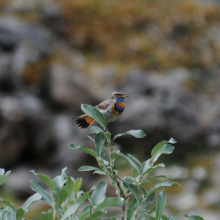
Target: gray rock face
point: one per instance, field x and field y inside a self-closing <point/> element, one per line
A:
<point x="161" y="105"/>
<point x="69" y="88"/>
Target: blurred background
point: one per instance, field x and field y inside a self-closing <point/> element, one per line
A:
<point x="55" y="55"/>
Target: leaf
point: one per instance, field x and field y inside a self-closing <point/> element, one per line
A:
<point x="132" y="163"/>
<point x="45" y="195"/>
<point x="134" y="173"/>
<point x="161" y="186"/>
<point x="70" y="211"/>
<point x="134" y="159"/>
<point x="87" y="168"/>
<point x="94" y="113"/>
<point x="46" y="179"/>
<point x="100" y="172"/>
<point x="95" y="215"/>
<point x="84" y="149"/>
<point x="85" y="212"/>
<point x="142" y="190"/>
<point x="150" y="199"/>
<point x="30" y="200"/>
<point x="145" y="166"/>
<point x="90" y="138"/>
<point x="19" y="213"/>
<point x="7" y="203"/>
<point x="10" y="216"/>
<point x="158" y="147"/>
<point x="131" y="209"/>
<point x="95" y="130"/>
<point x="172" y="141"/>
<point x="99" y="194"/>
<point x="153" y="168"/>
<point x="59" y="181"/>
<point x="166" y="149"/>
<point x="175" y="217"/>
<point x="69" y="185"/>
<point x="163" y="217"/>
<point x="135" y="133"/>
<point x="159" y="176"/>
<point x="108" y="134"/>
<point x="59" y="196"/>
<point x="4" y="177"/>
<point x="133" y="189"/>
<point x="115" y="154"/>
<point x="116" y="201"/>
<point x="46" y="216"/>
<point x="194" y="217"/>
<point x="77" y="185"/>
<point x="99" y="143"/>
<point x="160" y="204"/>
<point x="2" y="171"/>
<point x="87" y="195"/>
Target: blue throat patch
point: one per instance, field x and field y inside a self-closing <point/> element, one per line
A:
<point x="121" y="99"/>
<point x="118" y="109"/>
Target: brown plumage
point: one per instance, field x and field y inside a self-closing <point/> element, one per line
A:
<point x="107" y="108"/>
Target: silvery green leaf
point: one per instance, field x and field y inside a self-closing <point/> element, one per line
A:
<point x="32" y="199"/>
<point x="114" y="201"/>
<point x="160" y="204"/>
<point x="94" y="113"/>
<point x="166" y="149"/>
<point x="135" y="133"/>
<point x="84" y="149"/>
<point x="99" y="143"/>
<point x="87" y="168"/>
<point x="70" y="211"/>
<point x="161" y="186"/>
<point x="45" y="195"/>
<point x="4" y="176"/>
<point x="99" y="194"/>
<point x="46" y="179"/>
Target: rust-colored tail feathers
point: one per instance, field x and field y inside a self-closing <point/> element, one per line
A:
<point x="84" y="121"/>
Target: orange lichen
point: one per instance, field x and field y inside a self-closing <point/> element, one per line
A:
<point x="151" y="34"/>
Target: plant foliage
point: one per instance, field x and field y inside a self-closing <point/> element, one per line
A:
<point x="66" y="198"/>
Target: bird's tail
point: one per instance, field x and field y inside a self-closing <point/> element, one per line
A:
<point x="84" y="121"/>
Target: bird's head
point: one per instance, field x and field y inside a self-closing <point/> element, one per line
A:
<point x="117" y="96"/>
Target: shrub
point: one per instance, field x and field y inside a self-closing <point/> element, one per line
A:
<point x="66" y="196"/>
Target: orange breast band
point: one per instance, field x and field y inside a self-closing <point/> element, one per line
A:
<point x="121" y="104"/>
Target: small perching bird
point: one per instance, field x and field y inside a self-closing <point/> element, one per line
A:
<point x="111" y="109"/>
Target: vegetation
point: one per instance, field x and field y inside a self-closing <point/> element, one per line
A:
<point x="67" y="201"/>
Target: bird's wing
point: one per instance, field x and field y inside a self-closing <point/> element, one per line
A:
<point x="103" y="105"/>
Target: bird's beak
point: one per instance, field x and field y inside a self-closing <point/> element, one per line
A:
<point x="125" y="95"/>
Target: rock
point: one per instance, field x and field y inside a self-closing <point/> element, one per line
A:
<point x="160" y="105"/>
<point x="13" y="137"/>
<point x="26" y="45"/>
<point x="25" y="131"/>
<point x="213" y="134"/>
<point x="199" y="173"/>
<point x="18" y="182"/>
<point x="173" y="172"/>
<point x="184" y="201"/>
<point x="211" y="197"/>
<point x="215" y="175"/>
<point x="69" y="88"/>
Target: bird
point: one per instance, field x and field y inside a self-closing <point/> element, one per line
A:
<point x="111" y="109"/>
